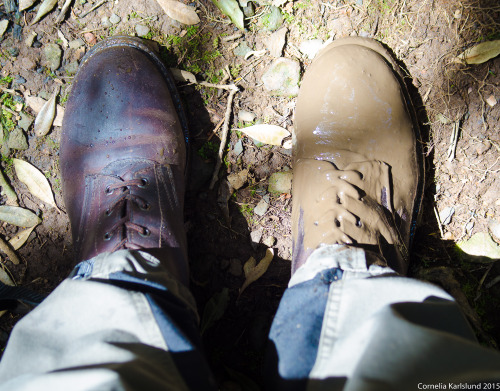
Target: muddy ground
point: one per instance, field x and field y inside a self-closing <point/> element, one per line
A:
<point x="425" y="36"/>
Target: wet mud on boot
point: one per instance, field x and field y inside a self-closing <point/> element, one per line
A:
<point x="358" y="169"/>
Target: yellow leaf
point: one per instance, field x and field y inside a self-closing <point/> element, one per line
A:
<point x="254" y="271"/>
<point x="481" y="52"/>
<point x="45" y="118"/>
<point x="36" y="182"/>
<point x="178" y="11"/>
<point x="18" y="241"/>
<point x="269" y="134"/>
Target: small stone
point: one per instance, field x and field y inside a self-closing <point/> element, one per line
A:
<point x="19" y="79"/>
<point x="282" y="77"/>
<point x="76" y="43"/>
<point x="25" y="122"/>
<point x="242" y="49"/>
<point x="17" y="32"/>
<point x="481" y="245"/>
<point x="491" y="195"/>
<point x="141" y="30"/>
<point x="114" y="18"/>
<point x="52" y="56"/>
<point x="30" y="39"/>
<point x="494" y="227"/>
<point x="90" y="38"/>
<point x="246" y="116"/>
<point x="3" y="26"/>
<point x="17" y="140"/>
<point x="237" y="180"/>
<point x="491" y="100"/>
<point x="446" y="214"/>
<point x="469" y="226"/>
<point x="105" y="22"/>
<point x="238" y="148"/>
<point x="13" y="51"/>
<point x="71" y="68"/>
<point x="235" y="267"/>
<point x="276" y="42"/>
<point x="269" y="241"/>
<point x="483" y="147"/>
<point x="311" y="47"/>
<point x="262" y="206"/>
<point x="272" y="20"/>
<point x="448" y="236"/>
<point x="255" y="237"/>
<point x="248" y="10"/>
<point x="280" y="182"/>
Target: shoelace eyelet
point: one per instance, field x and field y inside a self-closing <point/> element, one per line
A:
<point x="145" y="207"/>
<point x="108" y="212"/>
<point x="108" y="190"/>
<point x="107" y="236"/>
<point x="146" y="233"/>
<point x="144" y="183"/>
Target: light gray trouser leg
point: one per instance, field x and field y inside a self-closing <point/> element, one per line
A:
<point x="375" y="330"/>
<point x="106" y="331"/>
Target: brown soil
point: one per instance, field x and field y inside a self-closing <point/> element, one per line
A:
<point x="425" y="36"/>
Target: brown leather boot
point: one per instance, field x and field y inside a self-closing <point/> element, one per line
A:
<point x="123" y="155"/>
<point x="358" y="175"/>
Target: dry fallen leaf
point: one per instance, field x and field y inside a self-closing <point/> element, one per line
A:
<point x="7" y="191"/>
<point x="44" y="9"/>
<point x="37" y="103"/>
<point x="18" y="216"/>
<point x="178" y="11"/>
<point x="21" y="237"/>
<point x="181" y="75"/>
<point x="45" y="118"/>
<point x="254" y="271"/>
<point x="36" y="182"/>
<point x="481" y="52"/>
<point x="269" y="134"/>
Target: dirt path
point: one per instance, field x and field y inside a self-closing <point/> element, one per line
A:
<point x="224" y="230"/>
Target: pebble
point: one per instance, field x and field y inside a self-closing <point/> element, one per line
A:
<point x="238" y="148"/>
<point x="491" y="100"/>
<point x="494" y="227"/>
<point x="17" y="32"/>
<point x="114" y="18"/>
<point x="255" y="237"/>
<point x="3" y="26"/>
<point x="13" y="51"/>
<point x="19" y="80"/>
<point x="17" y="140"/>
<point x="105" y="22"/>
<point x="446" y="214"/>
<point x="272" y="20"/>
<point x="242" y="49"/>
<point x="30" y="39"/>
<point x="141" y="30"/>
<point x="248" y="10"/>
<point x="282" y="77"/>
<point x="469" y="226"/>
<point x="262" y="206"/>
<point x="276" y="42"/>
<point x="71" y="68"/>
<point x="52" y="56"/>
<point x="25" y="121"/>
<point x="311" y="47"/>
<point x="246" y="116"/>
<point x="280" y="182"/>
<point x="90" y="38"/>
<point x="238" y="179"/>
<point x="269" y="241"/>
<point x="76" y="43"/>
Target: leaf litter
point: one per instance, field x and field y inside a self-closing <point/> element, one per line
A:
<point x="254" y="271"/>
<point x="36" y="182"/>
<point x="45" y="118"/>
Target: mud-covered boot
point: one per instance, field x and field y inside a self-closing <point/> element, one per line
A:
<point x="358" y="173"/>
<point x="123" y="155"/>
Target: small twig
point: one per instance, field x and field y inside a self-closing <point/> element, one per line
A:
<point x="214" y="132"/>
<point x="478" y="293"/>
<point x="453" y="141"/>
<point x="438" y="221"/>
<point x="227" y="87"/>
<point x="233" y="90"/>
<point x="232" y="37"/>
<point x="5" y="247"/>
<point x="92" y="9"/>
